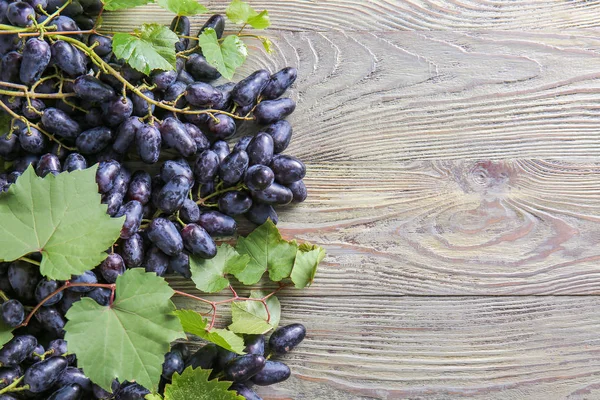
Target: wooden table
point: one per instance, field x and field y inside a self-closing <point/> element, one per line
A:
<point x="454" y="180"/>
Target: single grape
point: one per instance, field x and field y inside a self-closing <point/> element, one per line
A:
<point x="35" y="354"/>
<point x="73" y="9"/>
<point x="131" y="75"/>
<point x="173" y="363"/>
<point x="189" y="211"/>
<point x="113" y="201"/>
<point x="235" y="203"/>
<point x="299" y="191"/>
<point x="206" y="189"/>
<point x="164" y="79"/>
<point x="171" y="196"/>
<point x="181" y="264"/>
<point x="175" y="92"/>
<point x="100" y="295"/>
<point x="140" y="187"/>
<point x="21" y="164"/>
<point x="131" y="391"/>
<point x="200" y="69"/>
<point x="202" y="94"/>
<point x="132" y="251"/>
<point x="156" y="261"/>
<point x="10" y="66"/>
<point x="68" y="58"/>
<point x="46" y="287"/>
<point x="36" y="57"/>
<point x="288" y="169"/>
<point x="286" y="338"/>
<point x="33" y="112"/>
<point x="71" y="391"/>
<point x="175" y="135"/>
<point x="42" y="375"/>
<point x="92" y="7"/>
<point x="245" y="391"/>
<point x="12" y="313"/>
<point x="74" y="375"/>
<point x="74" y="162"/>
<point x="233" y="167"/>
<point x="270" y="111"/>
<point x="261" y="149"/>
<point x="243" y="143"/>
<point x="8" y="375"/>
<point x="64" y="22"/>
<point x="68" y="300"/>
<point x="246" y="92"/>
<point x="206" y="166"/>
<point x="204" y="358"/>
<point x="281" y="132"/>
<point x="141" y="107"/>
<point x="126" y="134"/>
<point x="100" y="393"/>
<point x="48" y="164"/>
<point x="224" y="129"/>
<point x="17" y="349"/>
<point x="9" y="145"/>
<point x="86" y="277"/>
<point x="279" y="82"/>
<point x="112" y="267"/>
<point x="133" y="213"/>
<point x="255" y="344"/>
<point x="32" y="140"/>
<point x="185" y="77"/>
<point x="244" y="367"/>
<point x="259" y="177"/>
<point x="51" y="320"/>
<point x="181" y="26"/>
<point x="23" y="278"/>
<point x="273" y="372"/>
<point x="216" y="22"/>
<point x="58" y="347"/>
<point x="58" y="122"/>
<point x="94" y="140"/>
<point x="224" y="358"/>
<point x="116" y="110"/>
<point x="221" y="148"/>
<point x="106" y="174"/>
<point x="198" y="242"/>
<point x="104" y="46"/>
<point x="202" y="143"/>
<point x="20" y="14"/>
<point x="217" y="224"/>
<point x="225" y="90"/>
<point x="165" y="236"/>
<point x="148" y="141"/>
<point x="13" y="176"/>
<point x="274" y="194"/>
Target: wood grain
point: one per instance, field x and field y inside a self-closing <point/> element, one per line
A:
<point x="501" y="348"/>
<point x="385" y="15"/>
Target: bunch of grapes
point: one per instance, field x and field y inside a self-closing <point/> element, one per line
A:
<point x="68" y="113"/>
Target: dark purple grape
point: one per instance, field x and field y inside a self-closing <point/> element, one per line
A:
<point x="288" y="169"/>
<point x="9" y="145"/>
<point x="73" y="9"/>
<point x="197" y="241"/>
<point x="221" y="148"/>
<point x="47" y="164"/>
<point x="32" y="140"/>
<point x="217" y="224"/>
<point x="189" y="211"/>
<point x="235" y="203"/>
<point x="244" y="367"/>
<point x="133" y="212"/>
<point x="197" y="119"/>
<point x="270" y="111"/>
<point x="69" y="59"/>
<point x="141" y="107"/>
<point x="36" y="57"/>
<point x="245" y="391"/>
<point x="37" y="4"/>
<point x="51" y="320"/>
<point x="44" y="289"/>
<point x="164" y="79"/>
<point x="174" y="92"/>
<point x="106" y="174"/>
<point x="112" y="267"/>
<point x="181" y="264"/>
<point x="255" y="344"/>
<point x="13" y="103"/>
<point x="204" y="358"/>
<point x="242" y="144"/>
<point x="202" y="143"/>
<point x="156" y="261"/>
<point x="225" y="90"/>
<point x="173" y="363"/>
<point x="87" y="277"/>
<point x="202" y="94"/>
<point x="13" y="176"/>
<point x="181" y="26"/>
<point x="131" y="75"/>
<point x="35" y="355"/>
<point x="9" y="42"/>
<point x="246" y="92"/>
<point x="65" y="23"/>
<point x="94" y="117"/>
<point x="113" y="201"/>
<point x="29" y="111"/>
<point x="165" y="236"/>
<point x="233" y="167"/>
<point x="200" y="69"/>
<point x="206" y="166"/>
<point x="104" y="46"/>
<point x="23" y="278"/>
<point x="281" y="132"/>
<point x="100" y="393"/>
<point x="148" y="141"/>
<point x="279" y="83"/>
<point x="140" y="187"/>
<point x="274" y="194"/>
<point x="126" y="134"/>
<point x="173" y="194"/>
<point x="58" y="122"/>
<point x="94" y="140"/>
<point x="17" y="349"/>
<point x="185" y="77"/>
<point x="299" y="191"/>
<point x="68" y="300"/>
<point x="74" y="375"/>
<point x="74" y="162"/>
<point x="175" y="135"/>
<point x="259" y="177"/>
<point x="183" y="349"/>
<point x="8" y="375"/>
<point x="20" y="14"/>
<point x="121" y="183"/>
<point x="67" y="392"/>
<point x="10" y="66"/>
<point x="261" y="149"/>
<point x="131" y="391"/>
<point x="273" y="372"/>
<point x="116" y="110"/>
<point x="206" y="189"/>
<point x="42" y="375"/>
<point x="100" y="295"/>
<point x="12" y="313"/>
<point x="224" y="129"/>
<point x="92" y="7"/>
<point x="216" y="22"/>
<point x="133" y="251"/>
<point x="286" y="338"/>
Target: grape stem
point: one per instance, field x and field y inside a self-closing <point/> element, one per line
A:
<point x="13" y="386"/>
<point x="30" y="261"/>
<point x="3" y="296"/>
<point x="202" y="201"/>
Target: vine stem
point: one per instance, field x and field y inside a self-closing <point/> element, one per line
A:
<point x="3" y="296"/>
<point x="13" y="386"/>
<point x="203" y="200"/>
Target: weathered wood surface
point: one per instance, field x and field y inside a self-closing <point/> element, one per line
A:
<point x="456" y="160"/>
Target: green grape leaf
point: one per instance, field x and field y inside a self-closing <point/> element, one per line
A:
<point x="186" y="8"/>
<point x="5" y="333"/>
<point x="61" y="217"/>
<point x="209" y="275"/>
<point x="268" y="252"/>
<point x="250" y="317"/>
<point x="225" y="56"/>
<point x="129" y="339"/>
<point x="153" y="396"/>
<point x="305" y="267"/>
<point x="113" y="5"/>
<point x="267" y="44"/>
<point x="152" y="47"/>
<point x="194" y="384"/>
<point x="195" y="324"/>
<point x="240" y="12"/>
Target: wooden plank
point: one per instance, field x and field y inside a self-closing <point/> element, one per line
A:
<point x="382" y="15"/>
<point x="443" y="348"/>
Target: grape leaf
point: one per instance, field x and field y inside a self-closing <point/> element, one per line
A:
<point x="61" y="217"/>
<point x="5" y="333"/>
<point x="226" y="56"/>
<point x="129" y="339"/>
<point x="153" y="396"/>
<point x="195" y="324"/>
<point x="152" y="47"/>
<point x="267" y="44"/>
<point x="113" y="5"/>
<point x="250" y="317"/>
<point x="194" y="384"/>
<point x="240" y="12"/>
<point x="267" y="251"/>
<point x="209" y="275"/>
<point x="307" y="260"/>
<point x="183" y="7"/>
